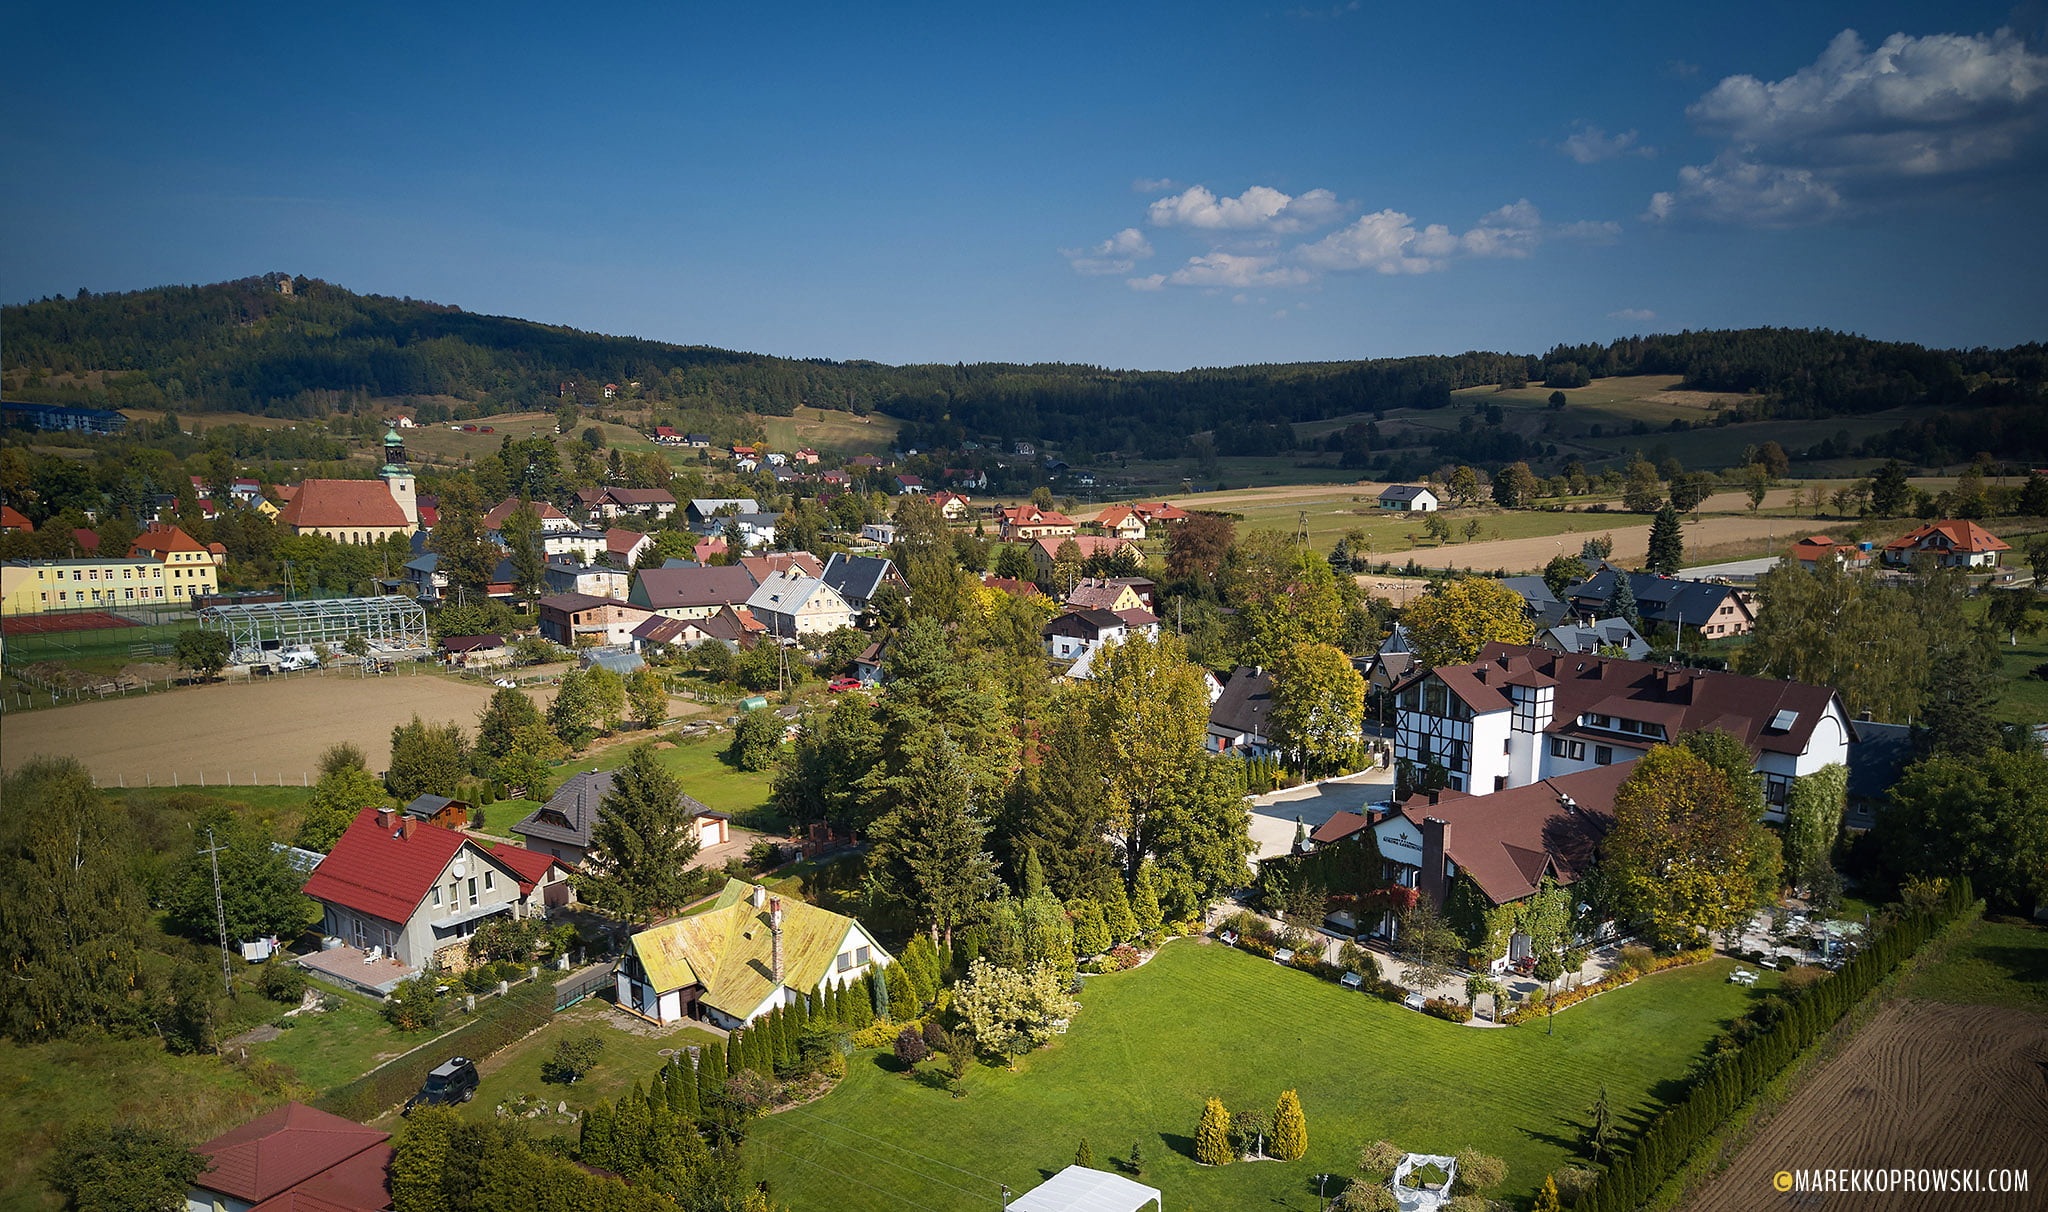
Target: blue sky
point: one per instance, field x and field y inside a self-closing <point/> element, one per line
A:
<point x="1153" y="186"/>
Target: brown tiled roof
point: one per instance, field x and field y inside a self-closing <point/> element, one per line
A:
<point x="761" y="567"/>
<point x="160" y="538"/>
<point x="1088" y="544"/>
<point x="342" y="503"/>
<point x="1089" y="591"/>
<point x="1507" y="840"/>
<point x="273" y="1153"/>
<point x="1961" y="535"/>
<point x="1683" y="700"/>
<point x="495" y="520"/>
<point x="641" y="496"/>
<point x="1340" y="826"/>
<point x="718" y="585"/>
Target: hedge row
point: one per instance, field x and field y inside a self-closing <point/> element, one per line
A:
<point x="1614" y="980"/>
<point x="1735" y="1076"/>
<point x="498" y="1021"/>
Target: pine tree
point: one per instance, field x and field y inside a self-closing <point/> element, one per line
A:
<point x="1212" y="1137"/>
<point x="1084" y="1156"/>
<point x="1137" y="1160"/>
<point x="711" y="1073"/>
<point x="682" y="1087"/>
<point x="1145" y="911"/>
<point x="1546" y="1197"/>
<point x="1117" y="915"/>
<point x="902" y="992"/>
<point x="1034" y="879"/>
<point x="1621" y="601"/>
<point x="1600" y="1128"/>
<point x="641" y="844"/>
<point x="631" y="1126"/>
<point x="1290" y="1128"/>
<point x="878" y="992"/>
<point x="422" y="1155"/>
<point x="1667" y="545"/>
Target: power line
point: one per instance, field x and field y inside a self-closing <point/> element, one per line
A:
<point x="885" y="1161"/>
<point x="891" y="1144"/>
<point x="850" y="1178"/>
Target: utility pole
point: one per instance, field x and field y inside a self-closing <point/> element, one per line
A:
<point x="220" y="914"/>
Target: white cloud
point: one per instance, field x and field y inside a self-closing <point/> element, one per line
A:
<point x="1385" y="241"/>
<point x="1148" y="282"/>
<point x="1590" y="145"/>
<point x="1260" y="208"/>
<point x="1511" y="231"/>
<point x="1633" y="315"/>
<point x="1117" y="255"/>
<point x="1153" y="185"/>
<point x="1586" y="231"/>
<point x="1229" y="270"/>
<point x="1735" y="190"/>
<point x="1857" y="126"/>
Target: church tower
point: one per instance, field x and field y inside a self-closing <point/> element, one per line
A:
<point x="399" y="478"/>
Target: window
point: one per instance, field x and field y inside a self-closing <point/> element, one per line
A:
<point x="845" y="960"/>
<point x="862" y="955"/>
<point x="1507" y="745"/>
<point x="1777" y="789"/>
<point x="437" y="896"/>
<point x="472" y="890"/>
<point x="1500" y="782"/>
<point x="487" y="881"/>
<point x="1603" y="755"/>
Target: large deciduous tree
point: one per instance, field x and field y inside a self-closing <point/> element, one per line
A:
<point x="641" y="844"/>
<point x="259" y="888"/>
<point x="1318" y="706"/>
<point x="1012" y="1012"/>
<point x="1453" y="621"/>
<point x="1284" y="594"/>
<point x="1681" y="848"/>
<point x="205" y="653"/>
<point x="72" y="920"/>
<point x="426" y="759"/>
<point x="1196" y="545"/>
<point x="123" y="1168"/>
<point x="1984" y="817"/>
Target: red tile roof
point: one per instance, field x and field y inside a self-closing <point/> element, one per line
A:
<point x="1959" y="535"/>
<point x="375" y="870"/>
<point x="161" y="538"/>
<point x="295" y="1144"/>
<point x="342" y="503"/>
<point x="1089" y="544"/>
<point x="12" y="519"/>
<point x="530" y="866"/>
<point x="495" y="520"/>
<point x="764" y="566"/>
<point x="88" y="541"/>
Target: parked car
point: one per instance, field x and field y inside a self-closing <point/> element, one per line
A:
<point x="452" y="1081"/>
<point x="838" y="684"/>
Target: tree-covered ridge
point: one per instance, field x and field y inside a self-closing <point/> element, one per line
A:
<point x="245" y="346"/>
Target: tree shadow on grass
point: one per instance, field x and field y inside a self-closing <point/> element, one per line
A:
<point x="1183" y="1145"/>
<point x="2028" y="965"/>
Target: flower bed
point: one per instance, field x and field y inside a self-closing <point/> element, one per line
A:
<point x="1613" y="980"/>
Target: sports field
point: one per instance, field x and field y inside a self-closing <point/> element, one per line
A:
<point x="1200" y="1020"/>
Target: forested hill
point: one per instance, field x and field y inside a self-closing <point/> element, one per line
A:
<point x="246" y="346"/>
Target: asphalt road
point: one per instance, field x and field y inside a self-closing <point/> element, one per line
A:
<point x="1273" y="816"/>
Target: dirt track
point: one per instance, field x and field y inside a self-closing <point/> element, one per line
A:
<point x="241" y="732"/>
<point x="1922" y="1086"/>
<point x="1631" y="541"/>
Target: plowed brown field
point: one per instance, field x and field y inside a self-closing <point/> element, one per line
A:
<point x="1923" y="1086"/>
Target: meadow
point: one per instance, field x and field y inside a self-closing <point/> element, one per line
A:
<point x="1200" y="1020"/>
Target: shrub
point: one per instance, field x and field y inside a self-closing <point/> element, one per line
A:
<point x="1307" y="961"/>
<point x="574" y="1056"/>
<point x="1290" y="1128"/>
<point x="1573" y="1182"/>
<point x="879" y="1034"/>
<point x="1379" y="1158"/>
<point x="1365" y="1195"/>
<point x="910" y="1046"/>
<point x="1637" y="958"/>
<point x="281" y="981"/>
<point x="934" y="1037"/>
<point x="1444" y="1008"/>
<point x="1124" y="956"/>
<point x="480" y="979"/>
<point x="416" y="1004"/>
<point x="1354" y="958"/>
<point x="1797" y="981"/>
<point x="1479" y="1171"/>
<point x="1389" y="991"/>
<point x="1212" y="1135"/>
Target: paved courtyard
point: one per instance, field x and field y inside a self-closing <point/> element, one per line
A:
<point x="1273" y="815"/>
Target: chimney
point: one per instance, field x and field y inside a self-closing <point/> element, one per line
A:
<point x="758" y="895"/>
<point x="405" y="827"/>
<point x="1436" y="843"/>
<point x="775" y="939"/>
<point x="386" y="817"/>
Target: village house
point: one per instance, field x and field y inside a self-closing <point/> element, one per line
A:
<point x="1077" y="631"/>
<point x="692" y="593"/>
<point x="476" y="651"/>
<point x="12" y="521"/>
<point x="761" y="567"/>
<point x="1408" y="498"/>
<point x="908" y="485"/>
<point x="1812" y="551"/>
<point x="1097" y="593"/>
<point x="952" y="506"/>
<point x="1952" y="543"/>
<point x="191" y="569"/>
<point x="858" y="579"/>
<point x="734" y="627"/>
<point x="1712" y="611"/>
<point x="402" y="896"/>
<point x="792" y="605"/>
<point x="561" y="828"/>
<point x="578" y="619"/>
<point x="1121" y="521"/>
<point x="1045" y="552"/>
<point x="1159" y="513"/>
<point x="563" y="574"/>
<point x="1521" y="714"/>
<point x="439" y="811"/>
<point x="1022" y="523"/>
<point x="966" y="477"/>
<point x="751" y="953"/>
<point x="552" y="520"/>
<point x="656" y="503"/>
<point x="294" y="1159"/>
<point x="1238" y="717"/>
<point x="1608" y="637"/>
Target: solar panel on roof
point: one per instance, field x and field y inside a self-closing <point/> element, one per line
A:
<point x="1783" y="721"/>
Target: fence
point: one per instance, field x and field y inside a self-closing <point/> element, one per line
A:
<point x="595" y="979"/>
<point x="497" y="1022"/>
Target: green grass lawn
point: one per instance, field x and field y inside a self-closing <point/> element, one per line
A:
<point x="703" y="772"/>
<point x="1993" y="964"/>
<point x="632" y="1053"/>
<point x="1151" y="1045"/>
<point x="334" y="1047"/>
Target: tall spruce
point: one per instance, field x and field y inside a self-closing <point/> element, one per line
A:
<point x="1667" y="544"/>
<point x="641" y="844"/>
<point x="932" y="849"/>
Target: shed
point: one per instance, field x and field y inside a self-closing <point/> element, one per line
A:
<point x="1082" y="1189"/>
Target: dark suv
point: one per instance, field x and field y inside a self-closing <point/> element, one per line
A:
<point x="453" y="1081"/>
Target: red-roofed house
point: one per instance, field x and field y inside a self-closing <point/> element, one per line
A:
<point x="645" y="502"/>
<point x="1025" y="522"/>
<point x="12" y="520"/>
<point x="1952" y="542"/>
<point x="1045" y="552"/>
<point x="624" y="546"/>
<point x="1159" y="511"/>
<point x="295" y="1159"/>
<point x="952" y="506"/>
<point x="347" y="511"/>
<point x="189" y="568"/>
<point x="1810" y="551"/>
<point x="1123" y="522"/>
<point x="391" y="886"/>
<point x="551" y="519"/>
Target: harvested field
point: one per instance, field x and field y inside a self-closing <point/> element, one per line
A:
<point x="1924" y="1085"/>
<point x="251" y="732"/>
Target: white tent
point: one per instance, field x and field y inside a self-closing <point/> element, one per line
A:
<point x="1081" y="1189"/>
<point x="1423" y="1199"/>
